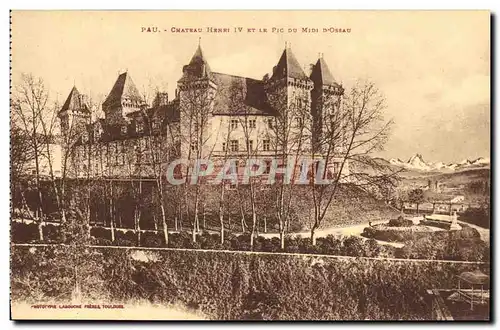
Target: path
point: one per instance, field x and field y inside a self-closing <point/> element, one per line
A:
<point x="355" y="230"/>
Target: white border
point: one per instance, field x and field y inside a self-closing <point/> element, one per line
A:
<point x="199" y="4"/>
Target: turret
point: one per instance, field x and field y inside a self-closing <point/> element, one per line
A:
<point x="325" y="97"/>
<point x="196" y="93"/>
<point x="74" y="114"/>
<point x="123" y="99"/>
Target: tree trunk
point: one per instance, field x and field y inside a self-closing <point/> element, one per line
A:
<point x="417" y="208"/>
<point x="40" y="229"/>
<point x="193" y="234"/>
<point x="175" y="223"/>
<point x="254" y="224"/>
<point x="196" y="219"/>
<point x="204" y="217"/>
<point x="40" y="216"/>
<point x="313" y="236"/>
<point x="282" y="241"/>
<point x="164" y="223"/>
<point x="111" y="215"/>
<point x="62" y="229"/>
<point x="243" y="223"/>
<point x="265" y="224"/>
<point x="221" y="223"/>
<point x="180" y="217"/>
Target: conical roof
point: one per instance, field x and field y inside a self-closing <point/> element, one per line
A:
<point x="123" y="89"/>
<point x="322" y="74"/>
<point x="75" y="101"/>
<point x="288" y="66"/>
<point x="198" y="66"/>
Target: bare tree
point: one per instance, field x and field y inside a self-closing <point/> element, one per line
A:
<point x="352" y="130"/>
<point x="289" y="140"/>
<point x="195" y="113"/>
<point x="37" y="117"/>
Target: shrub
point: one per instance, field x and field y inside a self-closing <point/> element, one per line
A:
<point x="100" y="232"/>
<point x="51" y="233"/>
<point x="127" y="235"/>
<point x="330" y="244"/>
<point x="353" y="246"/>
<point x="100" y="241"/>
<point x="478" y="216"/>
<point x="435" y="223"/>
<point x="124" y="242"/>
<point x="400" y="222"/>
<point x="23" y="233"/>
<point x="150" y="239"/>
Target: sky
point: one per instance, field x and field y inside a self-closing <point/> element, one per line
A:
<point x="432" y="66"/>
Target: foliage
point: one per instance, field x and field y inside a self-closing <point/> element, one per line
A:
<point x="416" y="196"/>
<point x="236" y="285"/>
<point x="400" y="222"/>
<point x="479" y="216"/>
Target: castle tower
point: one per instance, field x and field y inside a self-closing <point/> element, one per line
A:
<point x="197" y="89"/>
<point x="74" y="114"/>
<point x="325" y="99"/>
<point x="288" y="92"/>
<point x="123" y="99"/>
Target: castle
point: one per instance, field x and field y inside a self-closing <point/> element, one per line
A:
<point x="212" y="115"/>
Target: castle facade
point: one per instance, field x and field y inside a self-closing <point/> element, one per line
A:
<point x="212" y="115"/>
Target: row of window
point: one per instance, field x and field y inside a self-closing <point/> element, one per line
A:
<point x="251" y="123"/>
<point x="234" y="146"/>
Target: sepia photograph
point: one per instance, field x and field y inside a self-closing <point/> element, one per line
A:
<point x="250" y="165"/>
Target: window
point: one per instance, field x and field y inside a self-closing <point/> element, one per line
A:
<point x="270" y="122"/>
<point x="234" y="145"/>
<point x="194" y="146"/>
<point x="139" y="127"/>
<point x="234" y="123"/>
<point x="266" y="144"/>
<point x="156" y="125"/>
<point x="250" y="145"/>
<point x="232" y="186"/>
<point x="252" y="123"/>
<point x="124" y="151"/>
<point x="300" y="103"/>
<point x="224" y="146"/>
<point x="124" y="130"/>
<point x="116" y="153"/>
<point x="268" y="167"/>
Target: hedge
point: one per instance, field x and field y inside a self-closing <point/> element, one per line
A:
<point x="232" y="285"/>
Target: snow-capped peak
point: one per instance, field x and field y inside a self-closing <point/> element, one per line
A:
<point x="417" y="162"/>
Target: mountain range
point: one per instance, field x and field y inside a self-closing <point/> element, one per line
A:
<point x="418" y="163"/>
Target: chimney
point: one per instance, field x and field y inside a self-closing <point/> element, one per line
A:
<point x="311" y="68"/>
<point x="161" y="99"/>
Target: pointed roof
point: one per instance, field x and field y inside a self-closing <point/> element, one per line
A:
<point x="322" y="74"/>
<point x="288" y="66"/>
<point x="75" y="101"/>
<point x="124" y="88"/>
<point x="198" y="66"/>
